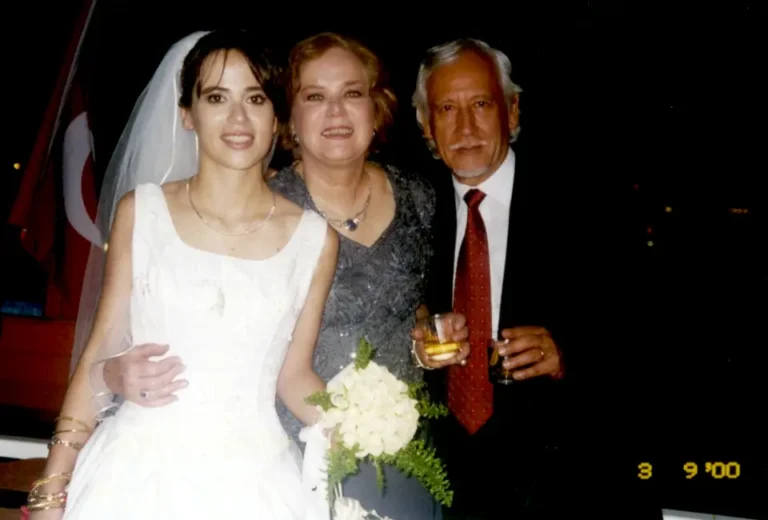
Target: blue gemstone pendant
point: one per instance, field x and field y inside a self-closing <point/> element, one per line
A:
<point x="351" y="224"/>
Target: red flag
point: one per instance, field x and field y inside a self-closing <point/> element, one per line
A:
<point x="59" y="173"/>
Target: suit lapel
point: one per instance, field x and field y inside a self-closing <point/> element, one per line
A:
<point x="514" y="266"/>
<point x="440" y="292"/>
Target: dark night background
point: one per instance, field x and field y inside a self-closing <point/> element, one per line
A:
<point x="652" y="120"/>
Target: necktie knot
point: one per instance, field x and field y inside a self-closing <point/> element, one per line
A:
<point x="473" y="198"/>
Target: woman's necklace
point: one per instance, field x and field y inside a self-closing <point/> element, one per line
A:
<point x="352" y="223"/>
<point x="242" y="233"/>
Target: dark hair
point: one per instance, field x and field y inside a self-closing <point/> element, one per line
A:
<point x="384" y="100"/>
<point x="259" y="57"/>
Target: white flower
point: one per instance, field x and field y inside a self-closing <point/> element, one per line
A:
<point x="331" y="418"/>
<point x="371" y="409"/>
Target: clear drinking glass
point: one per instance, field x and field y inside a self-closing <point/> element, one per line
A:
<point x="438" y="343"/>
<point x="497" y="374"/>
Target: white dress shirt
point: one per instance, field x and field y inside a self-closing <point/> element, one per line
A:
<point x="495" y="212"/>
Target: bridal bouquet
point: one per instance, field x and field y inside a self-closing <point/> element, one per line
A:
<point x="374" y="417"/>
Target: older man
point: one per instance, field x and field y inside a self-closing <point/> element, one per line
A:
<point x="496" y="263"/>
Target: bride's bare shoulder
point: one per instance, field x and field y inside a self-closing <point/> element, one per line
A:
<point x="289" y="214"/>
<point x="287" y="209"/>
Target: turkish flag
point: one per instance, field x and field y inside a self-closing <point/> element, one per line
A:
<point x="57" y="200"/>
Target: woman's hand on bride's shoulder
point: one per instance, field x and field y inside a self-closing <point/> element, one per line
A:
<point x="146" y="382"/>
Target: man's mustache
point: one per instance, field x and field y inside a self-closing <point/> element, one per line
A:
<point x="470" y="143"/>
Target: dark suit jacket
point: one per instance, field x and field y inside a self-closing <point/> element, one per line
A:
<point x="536" y="291"/>
<point x="537" y="284"/>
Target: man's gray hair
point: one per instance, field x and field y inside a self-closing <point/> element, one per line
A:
<point x="446" y="53"/>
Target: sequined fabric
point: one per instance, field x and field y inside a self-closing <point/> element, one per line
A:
<point x="376" y="289"/>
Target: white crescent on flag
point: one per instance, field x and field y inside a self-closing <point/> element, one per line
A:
<point x="77" y="149"/>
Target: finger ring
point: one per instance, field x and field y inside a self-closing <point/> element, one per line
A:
<point x="144" y="394"/>
<point x="542" y="351"/>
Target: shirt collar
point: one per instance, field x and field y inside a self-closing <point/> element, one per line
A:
<point x="497" y="187"/>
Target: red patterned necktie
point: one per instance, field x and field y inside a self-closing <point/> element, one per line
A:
<point x="470" y="393"/>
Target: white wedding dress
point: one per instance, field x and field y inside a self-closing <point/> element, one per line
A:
<point x="220" y="451"/>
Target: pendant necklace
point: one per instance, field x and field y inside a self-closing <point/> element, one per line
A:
<point x="352" y="223"/>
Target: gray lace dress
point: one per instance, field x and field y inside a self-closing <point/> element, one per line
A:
<point x="374" y="295"/>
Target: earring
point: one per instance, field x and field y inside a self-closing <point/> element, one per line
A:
<point x="295" y="138"/>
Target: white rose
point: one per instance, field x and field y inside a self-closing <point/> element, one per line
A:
<point x="407" y="427"/>
<point x="378" y="423"/>
<point x="361" y="398"/>
<point x="393" y="440"/>
<point x="374" y="373"/>
<point x="372" y="445"/>
<point x="394" y="384"/>
<point x="348" y="426"/>
<point x="343" y="380"/>
<point x="349" y="437"/>
<point x="378" y="401"/>
<point x="331" y="418"/>
<point x="393" y="443"/>
<point x="364" y="378"/>
<point x="364" y="432"/>
<point x="402" y="406"/>
<point x="340" y="400"/>
<point x="406" y="420"/>
<point x="354" y="417"/>
<point x="382" y="388"/>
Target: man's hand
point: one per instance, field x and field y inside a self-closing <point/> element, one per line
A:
<point x="138" y="379"/>
<point x="459" y="334"/>
<point x="534" y="349"/>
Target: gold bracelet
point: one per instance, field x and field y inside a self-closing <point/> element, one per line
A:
<point x="69" y="444"/>
<point x="71" y="431"/>
<point x="35" y="498"/>
<point x="50" y="478"/>
<point x="74" y="420"/>
<point x="44" y="501"/>
<point x="416" y="357"/>
<point x="45" y="506"/>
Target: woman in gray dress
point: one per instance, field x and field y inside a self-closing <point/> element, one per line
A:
<point x="339" y="110"/>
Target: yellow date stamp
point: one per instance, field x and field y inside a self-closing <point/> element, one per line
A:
<point x="715" y="470"/>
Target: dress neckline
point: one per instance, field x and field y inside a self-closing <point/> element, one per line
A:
<point x="177" y="237"/>
<point x="387" y="230"/>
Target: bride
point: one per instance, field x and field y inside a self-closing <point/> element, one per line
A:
<point x="230" y="275"/>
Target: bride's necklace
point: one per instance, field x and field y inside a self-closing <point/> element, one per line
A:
<point x="352" y="223"/>
<point x="242" y="233"/>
